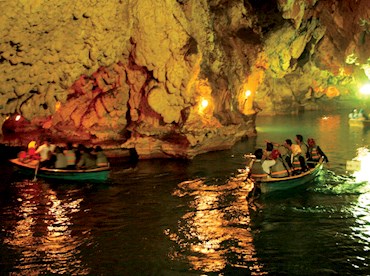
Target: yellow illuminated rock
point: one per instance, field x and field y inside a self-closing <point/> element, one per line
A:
<point x="134" y="73"/>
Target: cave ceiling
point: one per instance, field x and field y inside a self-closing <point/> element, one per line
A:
<point x="174" y="78"/>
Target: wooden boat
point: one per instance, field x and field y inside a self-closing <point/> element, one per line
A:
<point x="272" y="184"/>
<point x="97" y="174"/>
<point x="359" y="123"/>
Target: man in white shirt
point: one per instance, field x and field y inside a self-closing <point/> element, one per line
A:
<point x="45" y="151"/>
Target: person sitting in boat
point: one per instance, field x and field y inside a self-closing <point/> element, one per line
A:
<point x="260" y="168"/>
<point x="60" y="159"/>
<point x="298" y="161"/>
<point x="268" y="150"/>
<point x="285" y="151"/>
<point x="315" y="153"/>
<point x="46" y="152"/>
<point x="280" y="168"/>
<point x="354" y="114"/>
<point x="101" y="158"/>
<point x="70" y="154"/>
<point x="302" y="144"/>
<point x="362" y="115"/>
<point x="87" y="160"/>
<point x="31" y="152"/>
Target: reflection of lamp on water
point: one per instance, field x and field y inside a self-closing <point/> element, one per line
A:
<point x="43" y="232"/>
<point x="364" y="158"/>
<point x="360" y="165"/>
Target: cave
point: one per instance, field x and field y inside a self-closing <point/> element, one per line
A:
<point x="93" y="73"/>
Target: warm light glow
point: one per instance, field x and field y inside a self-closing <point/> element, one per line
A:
<point x="57" y="105"/>
<point x="43" y="231"/>
<point x="363" y="156"/>
<point x="204" y="103"/>
<point x="18" y="117"/>
<point x="205" y="232"/>
<point x="247" y="93"/>
<point x="332" y="92"/>
<point x="202" y="106"/>
<point x="365" y="89"/>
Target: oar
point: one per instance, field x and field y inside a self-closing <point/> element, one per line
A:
<point x="252" y="193"/>
<point x="37" y="168"/>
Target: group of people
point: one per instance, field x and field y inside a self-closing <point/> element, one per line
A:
<point x="358" y="114"/>
<point x="282" y="160"/>
<point x="50" y="155"/>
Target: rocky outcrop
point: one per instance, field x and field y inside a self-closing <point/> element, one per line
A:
<point x="172" y="78"/>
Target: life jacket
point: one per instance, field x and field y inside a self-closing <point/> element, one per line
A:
<point x="304" y="149"/>
<point x="22" y="155"/>
<point x="61" y="161"/>
<point x="296" y="163"/>
<point x="32" y="154"/>
<point x="87" y="161"/>
<point x="257" y="170"/>
<point x="101" y="160"/>
<point x="279" y="169"/>
<point x="314" y="153"/>
<point x="71" y="157"/>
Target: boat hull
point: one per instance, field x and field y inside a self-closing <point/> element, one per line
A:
<point x="97" y="174"/>
<point x="359" y="123"/>
<point x="278" y="184"/>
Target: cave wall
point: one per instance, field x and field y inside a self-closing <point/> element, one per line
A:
<point x="135" y="74"/>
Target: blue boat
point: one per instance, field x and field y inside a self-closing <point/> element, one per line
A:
<point x="271" y="184"/>
<point x="31" y="169"/>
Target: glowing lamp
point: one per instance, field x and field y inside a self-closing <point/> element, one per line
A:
<point x="18" y="117"/>
<point x="57" y="105"/>
<point x="365" y="89"/>
<point x="204" y="103"/>
<point x="247" y="93"/>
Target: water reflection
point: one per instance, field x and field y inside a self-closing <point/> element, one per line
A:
<point x="361" y="232"/>
<point x="215" y="234"/>
<point x="42" y="235"/>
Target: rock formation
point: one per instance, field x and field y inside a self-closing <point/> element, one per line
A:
<point x="173" y="78"/>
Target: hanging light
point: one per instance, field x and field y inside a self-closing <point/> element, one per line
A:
<point x="17" y="118"/>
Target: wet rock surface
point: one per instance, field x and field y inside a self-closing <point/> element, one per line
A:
<point x="169" y="79"/>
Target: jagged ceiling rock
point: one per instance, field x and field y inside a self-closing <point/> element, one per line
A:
<point x="174" y="78"/>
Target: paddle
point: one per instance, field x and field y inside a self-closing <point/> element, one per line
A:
<point x="255" y="189"/>
<point x="37" y="168"/>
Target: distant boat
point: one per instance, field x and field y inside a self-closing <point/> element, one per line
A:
<point x="359" y="123"/>
<point x="97" y="174"/>
<point x="272" y="184"/>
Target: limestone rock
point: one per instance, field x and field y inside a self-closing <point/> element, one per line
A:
<point x="173" y="78"/>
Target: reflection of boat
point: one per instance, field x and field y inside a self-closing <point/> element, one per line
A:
<point x="97" y="174"/>
<point x="359" y="122"/>
<point x="272" y="184"/>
